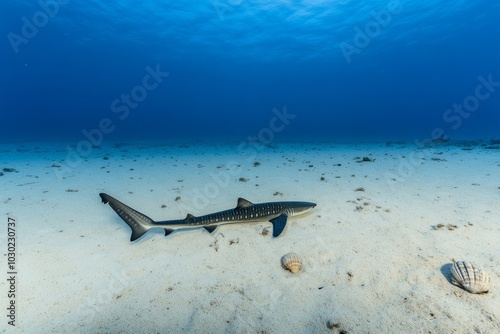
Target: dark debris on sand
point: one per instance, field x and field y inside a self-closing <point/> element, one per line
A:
<point x="10" y="170"/>
<point x="364" y="159"/>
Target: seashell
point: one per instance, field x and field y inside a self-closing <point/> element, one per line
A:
<point x="471" y="277"/>
<point x="292" y="262"/>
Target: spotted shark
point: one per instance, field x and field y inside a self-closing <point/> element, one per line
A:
<point x="245" y="212"/>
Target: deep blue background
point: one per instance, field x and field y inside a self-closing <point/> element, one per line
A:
<point x="231" y="62"/>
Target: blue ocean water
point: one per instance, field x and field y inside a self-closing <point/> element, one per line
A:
<point x="232" y="69"/>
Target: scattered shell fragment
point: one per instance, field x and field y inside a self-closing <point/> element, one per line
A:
<point x="292" y="262"/>
<point x="470" y="276"/>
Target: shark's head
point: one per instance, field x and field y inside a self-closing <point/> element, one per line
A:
<point x="298" y="208"/>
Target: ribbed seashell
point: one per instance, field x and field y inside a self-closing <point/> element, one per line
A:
<point x="470" y="276"/>
<point x="292" y="262"/>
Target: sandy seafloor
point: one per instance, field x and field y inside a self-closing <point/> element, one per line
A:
<point x="374" y="259"/>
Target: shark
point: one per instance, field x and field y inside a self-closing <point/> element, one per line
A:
<point x="245" y="212"/>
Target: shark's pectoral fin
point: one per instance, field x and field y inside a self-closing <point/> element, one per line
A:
<point x="168" y="231"/>
<point x="210" y="228"/>
<point x="279" y="224"/>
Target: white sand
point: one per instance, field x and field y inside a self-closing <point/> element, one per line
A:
<point x="379" y="269"/>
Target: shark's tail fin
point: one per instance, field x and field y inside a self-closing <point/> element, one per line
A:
<point x="138" y="222"/>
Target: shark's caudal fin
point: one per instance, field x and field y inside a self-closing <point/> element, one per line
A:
<point x="138" y="222"/>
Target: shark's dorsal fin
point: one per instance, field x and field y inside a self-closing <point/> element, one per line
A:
<point x="243" y="203"/>
<point x="189" y="216"/>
